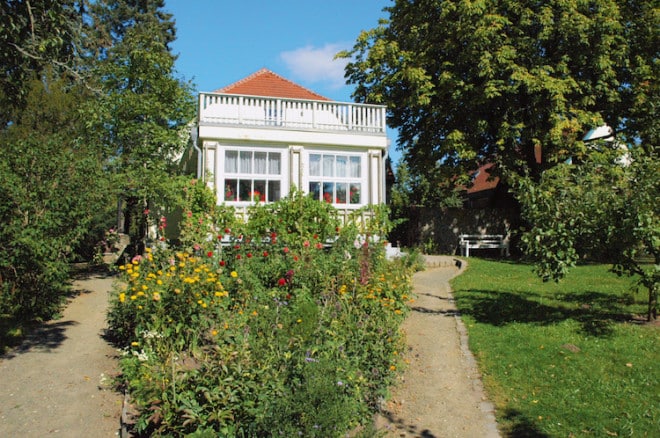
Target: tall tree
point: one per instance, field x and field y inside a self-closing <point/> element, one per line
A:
<point x="51" y="189"/>
<point x="508" y="80"/>
<point x="146" y="109"/>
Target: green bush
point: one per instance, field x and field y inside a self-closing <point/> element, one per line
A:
<point x="277" y="333"/>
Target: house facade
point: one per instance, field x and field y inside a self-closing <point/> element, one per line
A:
<point x="264" y="135"/>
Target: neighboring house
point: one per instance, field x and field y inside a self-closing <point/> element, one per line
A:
<point x="486" y="190"/>
<point x="262" y="136"/>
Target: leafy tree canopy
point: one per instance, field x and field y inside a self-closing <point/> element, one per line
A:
<point x="467" y="82"/>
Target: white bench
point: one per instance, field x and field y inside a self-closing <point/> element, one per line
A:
<point x="482" y="241"/>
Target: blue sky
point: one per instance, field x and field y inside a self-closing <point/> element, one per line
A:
<point x="220" y="42"/>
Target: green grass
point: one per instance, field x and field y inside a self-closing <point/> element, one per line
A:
<point x="562" y="360"/>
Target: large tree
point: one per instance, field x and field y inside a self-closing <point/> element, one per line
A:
<point x="519" y="84"/>
<point x="510" y="81"/>
<point x="145" y="110"/>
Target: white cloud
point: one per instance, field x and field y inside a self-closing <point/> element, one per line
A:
<point x="316" y="65"/>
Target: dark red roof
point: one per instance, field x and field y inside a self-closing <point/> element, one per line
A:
<point x="268" y="84"/>
<point x="482" y="180"/>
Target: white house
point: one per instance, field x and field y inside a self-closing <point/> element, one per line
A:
<point x="263" y="135"/>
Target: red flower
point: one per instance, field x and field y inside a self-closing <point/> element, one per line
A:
<point x="210" y="253"/>
<point x="222" y="262"/>
<point x="238" y="256"/>
<point x="316" y="236"/>
<point x="288" y="296"/>
<point x="306" y="243"/>
<point x="249" y="255"/>
<point x="281" y="282"/>
<point x="146" y="212"/>
<point x="295" y="258"/>
<point x="265" y="253"/>
<point x="286" y="250"/>
<point x="319" y="245"/>
<point x="227" y="231"/>
<point x="273" y="235"/>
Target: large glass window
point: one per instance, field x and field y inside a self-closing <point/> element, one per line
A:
<point x="336" y="179"/>
<point x="252" y="176"/>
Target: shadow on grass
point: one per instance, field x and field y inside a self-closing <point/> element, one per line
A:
<point x="521" y="426"/>
<point x="595" y="311"/>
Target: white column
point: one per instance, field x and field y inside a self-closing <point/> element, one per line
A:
<point x="375" y="176"/>
<point x="295" y="168"/>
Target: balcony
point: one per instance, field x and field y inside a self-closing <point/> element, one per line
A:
<point x="216" y="109"/>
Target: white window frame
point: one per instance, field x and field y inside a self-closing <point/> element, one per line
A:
<point x="241" y="175"/>
<point x="362" y="179"/>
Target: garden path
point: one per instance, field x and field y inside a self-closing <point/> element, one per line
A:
<point x="57" y="383"/>
<point x="440" y="393"/>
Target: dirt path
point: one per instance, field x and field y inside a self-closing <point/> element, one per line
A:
<point x="440" y="393"/>
<point x="57" y="382"/>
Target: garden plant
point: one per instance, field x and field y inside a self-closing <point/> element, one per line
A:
<point x="287" y="325"/>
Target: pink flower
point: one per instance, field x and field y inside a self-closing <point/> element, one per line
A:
<point x="306" y="243"/>
<point x="319" y="245"/>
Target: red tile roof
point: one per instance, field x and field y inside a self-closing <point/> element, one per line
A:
<point x="268" y="84"/>
<point x="482" y="180"/>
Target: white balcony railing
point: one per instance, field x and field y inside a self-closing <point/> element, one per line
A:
<point x="253" y="111"/>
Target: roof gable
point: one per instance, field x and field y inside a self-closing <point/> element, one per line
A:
<point x="268" y="84"/>
<point x="482" y="179"/>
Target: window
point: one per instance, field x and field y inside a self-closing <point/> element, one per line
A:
<point x="252" y="176"/>
<point x="336" y="179"/>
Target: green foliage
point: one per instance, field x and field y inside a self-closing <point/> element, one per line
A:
<point x="51" y="187"/>
<point x="467" y="82"/>
<point x="265" y="334"/>
<point x="598" y="210"/>
<point x="561" y="359"/>
<point x="144" y="111"/>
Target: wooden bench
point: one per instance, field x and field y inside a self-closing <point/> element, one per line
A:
<point x="482" y="241"/>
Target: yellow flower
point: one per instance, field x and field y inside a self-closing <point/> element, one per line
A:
<point x="392" y="368"/>
<point x="214" y="332"/>
<point x="156" y="296"/>
<point x="234" y="274"/>
<point x="122" y="297"/>
<point x="133" y="297"/>
<point x="134" y="344"/>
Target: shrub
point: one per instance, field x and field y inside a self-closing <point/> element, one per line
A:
<point x="266" y="335"/>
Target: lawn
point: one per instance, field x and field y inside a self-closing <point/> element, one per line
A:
<point x="562" y="360"/>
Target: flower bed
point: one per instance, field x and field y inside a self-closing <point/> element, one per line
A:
<point x="276" y="335"/>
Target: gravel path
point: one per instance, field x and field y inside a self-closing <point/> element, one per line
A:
<point x="440" y="393"/>
<point x="57" y="382"/>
